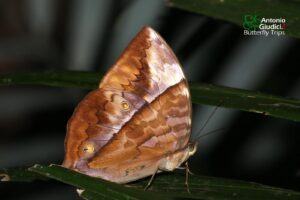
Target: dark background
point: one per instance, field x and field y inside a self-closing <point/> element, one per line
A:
<point x="90" y="35"/>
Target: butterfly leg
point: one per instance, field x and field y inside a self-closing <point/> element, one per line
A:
<point x="151" y="180"/>
<point x="188" y="169"/>
<point x="187" y="173"/>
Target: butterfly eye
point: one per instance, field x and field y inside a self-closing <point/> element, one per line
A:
<point x="125" y="105"/>
<point x="89" y="148"/>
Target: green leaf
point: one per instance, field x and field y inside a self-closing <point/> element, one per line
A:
<point x="19" y="174"/>
<point x="89" y="195"/>
<point x="165" y="186"/>
<point x="234" y="11"/>
<point x="203" y="187"/>
<point x="93" y="186"/>
<point x="251" y="101"/>
<point x="79" y="79"/>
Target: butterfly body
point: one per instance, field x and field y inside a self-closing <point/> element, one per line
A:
<point x="138" y="121"/>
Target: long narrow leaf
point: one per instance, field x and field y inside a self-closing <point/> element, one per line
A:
<point x="78" y="79"/>
<point x="250" y="101"/>
<point x="165" y="186"/>
<point x="203" y="187"/>
<point x="19" y="174"/>
<point x="94" y="185"/>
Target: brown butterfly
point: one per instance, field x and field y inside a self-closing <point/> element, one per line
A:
<point x="138" y="122"/>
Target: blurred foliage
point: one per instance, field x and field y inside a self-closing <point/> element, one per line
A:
<point x="234" y="11"/>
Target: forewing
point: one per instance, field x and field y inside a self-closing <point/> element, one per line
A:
<point x="146" y="68"/>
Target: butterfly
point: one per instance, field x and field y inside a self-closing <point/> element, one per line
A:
<point x="138" y="121"/>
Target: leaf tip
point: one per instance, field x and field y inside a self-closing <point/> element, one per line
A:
<point x="4" y="177"/>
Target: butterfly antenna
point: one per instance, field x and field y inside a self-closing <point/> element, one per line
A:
<point x="206" y="122"/>
<point x="210" y="132"/>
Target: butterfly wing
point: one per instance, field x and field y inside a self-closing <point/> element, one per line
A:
<point x="146" y="68"/>
<point x="154" y="134"/>
<point x="139" y="115"/>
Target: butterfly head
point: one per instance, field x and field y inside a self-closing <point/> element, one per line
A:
<point x="192" y="148"/>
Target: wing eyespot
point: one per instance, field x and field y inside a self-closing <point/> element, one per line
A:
<point x="88" y="148"/>
<point x="125" y="105"/>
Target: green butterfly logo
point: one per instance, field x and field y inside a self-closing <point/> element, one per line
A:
<point x="251" y="22"/>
